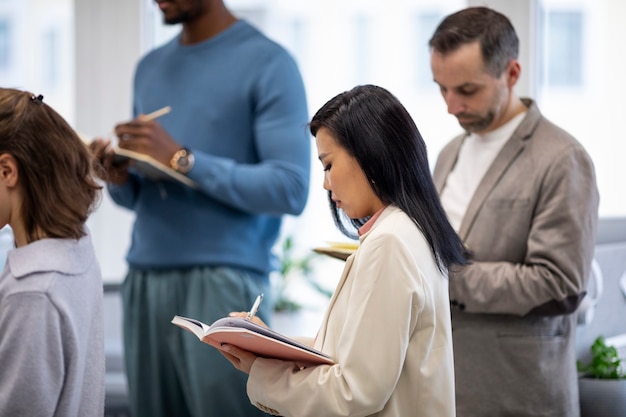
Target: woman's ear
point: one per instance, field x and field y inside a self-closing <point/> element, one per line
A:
<point x="8" y="170"/>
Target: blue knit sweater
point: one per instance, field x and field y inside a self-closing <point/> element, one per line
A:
<point x="238" y="102"/>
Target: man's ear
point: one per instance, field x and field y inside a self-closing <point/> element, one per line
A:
<point x="513" y="72"/>
<point x="8" y="170"/>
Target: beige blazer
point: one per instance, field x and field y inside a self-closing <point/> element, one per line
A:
<point x="388" y="328"/>
<point x="531" y="228"/>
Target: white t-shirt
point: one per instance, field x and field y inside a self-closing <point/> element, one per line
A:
<point x="476" y="155"/>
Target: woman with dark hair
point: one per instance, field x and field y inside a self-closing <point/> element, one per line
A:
<point x="388" y="323"/>
<point x="51" y="328"/>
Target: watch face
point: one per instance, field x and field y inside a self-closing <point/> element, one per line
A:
<point x="183" y="161"/>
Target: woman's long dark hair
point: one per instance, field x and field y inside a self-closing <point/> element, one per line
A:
<point x="374" y="127"/>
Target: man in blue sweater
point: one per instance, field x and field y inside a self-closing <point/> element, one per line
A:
<point x="237" y="129"/>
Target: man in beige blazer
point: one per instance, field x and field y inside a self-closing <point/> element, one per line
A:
<point x="521" y="192"/>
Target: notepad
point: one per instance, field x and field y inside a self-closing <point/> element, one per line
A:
<point x="252" y="337"/>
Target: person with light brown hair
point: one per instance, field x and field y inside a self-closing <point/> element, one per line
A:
<point x="51" y="326"/>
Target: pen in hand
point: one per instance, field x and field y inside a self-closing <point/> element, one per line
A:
<point x="255" y="307"/>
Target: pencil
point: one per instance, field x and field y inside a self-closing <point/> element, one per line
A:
<point x="145" y="117"/>
<point x="157" y="113"/>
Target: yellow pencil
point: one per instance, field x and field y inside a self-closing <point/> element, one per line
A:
<point x="157" y="113"/>
<point x="150" y="116"/>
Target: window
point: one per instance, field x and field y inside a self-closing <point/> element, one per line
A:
<point x="579" y="87"/>
<point x="362" y="48"/>
<point x="51" y="51"/>
<point x="36" y="50"/>
<point x="562" y="48"/>
<point x="425" y="25"/>
<point x="5" y="34"/>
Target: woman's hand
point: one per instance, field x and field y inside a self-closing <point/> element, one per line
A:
<point x="241" y="359"/>
<point x="243" y="315"/>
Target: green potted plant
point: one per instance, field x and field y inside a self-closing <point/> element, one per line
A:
<point x="293" y="268"/>
<point x="295" y="290"/>
<point x="602" y="382"/>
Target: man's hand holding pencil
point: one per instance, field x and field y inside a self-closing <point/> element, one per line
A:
<point x="145" y="135"/>
<point x="142" y="135"/>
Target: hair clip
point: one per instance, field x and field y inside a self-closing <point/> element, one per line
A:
<point x="38" y="98"/>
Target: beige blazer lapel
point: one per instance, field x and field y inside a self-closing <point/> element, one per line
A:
<point x="321" y="335"/>
<point x="513" y="147"/>
<point x="445" y="163"/>
<point x="507" y="155"/>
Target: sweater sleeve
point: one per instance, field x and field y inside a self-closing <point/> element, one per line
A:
<point x="124" y="194"/>
<point x="279" y="182"/>
<point x="31" y="356"/>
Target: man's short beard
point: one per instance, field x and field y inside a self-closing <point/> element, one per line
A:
<point x="186" y="16"/>
<point x="480" y="124"/>
<point x="182" y="18"/>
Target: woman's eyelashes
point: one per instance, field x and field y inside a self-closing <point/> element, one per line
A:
<point x="327" y="167"/>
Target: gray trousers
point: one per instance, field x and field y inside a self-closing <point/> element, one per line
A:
<point x="170" y="372"/>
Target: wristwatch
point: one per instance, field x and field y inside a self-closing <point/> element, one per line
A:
<point x="182" y="160"/>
